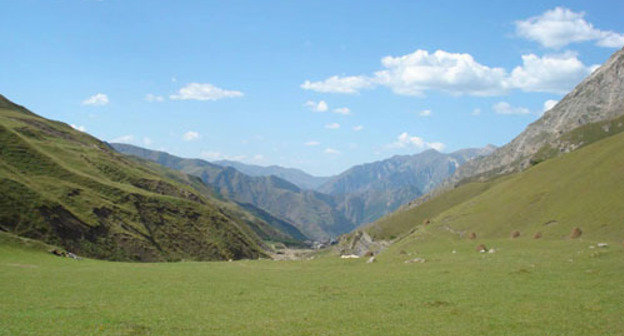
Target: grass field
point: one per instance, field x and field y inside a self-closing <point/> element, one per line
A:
<point x="528" y="287"/>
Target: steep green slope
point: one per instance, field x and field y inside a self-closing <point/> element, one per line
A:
<point x="584" y="189"/>
<point x="311" y="212"/>
<point x="67" y="188"/>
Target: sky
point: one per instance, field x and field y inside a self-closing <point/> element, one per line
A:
<point x="315" y="85"/>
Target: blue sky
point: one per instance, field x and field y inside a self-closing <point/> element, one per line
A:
<point x="319" y="85"/>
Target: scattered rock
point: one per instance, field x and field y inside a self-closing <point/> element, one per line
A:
<point x="472" y="235"/>
<point x="576" y="232"/>
<point x="426" y="222"/>
<point x="65" y="254"/>
<point x="491" y="251"/>
<point x="416" y="260"/>
<point x="602" y="245"/>
<point x="349" y="256"/>
<point x="537" y="235"/>
<point x="591" y="246"/>
<point x="515" y="234"/>
<point x="481" y="248"/>
<point x="371" y="260"/>
<point x="454" y="252"/>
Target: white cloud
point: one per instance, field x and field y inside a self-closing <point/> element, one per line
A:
<point x="124" y="138"/>
<point x="476" y="112"/>
<point x="332" y="126"/>
<point x="153" y="98"/>
<point x="316" y="107"/>
<point x="342" y="110"/>
<point x="332" y="151"/>
<point x="312" y="143"/>
<point x="204" y="91"/>
<point x="190" y="136"/>
<point x="335" y="84"/>
<point x="425" y="113"/>
<point x="506" y="108"/>
<point x="404" y="140"/>
<point x="98" y="99"/>
<point x="559" y="27"/>
<point x="550" y="103"/>
<point x="358" y="128"/>
<point x="455" y="73"/>
<point x="147" y="141"/>
<point x="550" y="73"/>
<point x="214" y="156"/>
<point x="78" y="128"/>
<point x="460" y="74"/>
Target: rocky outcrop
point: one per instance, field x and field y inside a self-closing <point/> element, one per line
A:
<point x="597" y="98"/>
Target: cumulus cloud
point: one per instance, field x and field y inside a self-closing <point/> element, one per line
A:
<point x="550" y="103"/>
<point x="455" y="73"/>
<point x="335" y="84"/>
<point x="559" y="27"/>
<point x="312" y="143"/>
<point x="78" y="128"/>
<point x="332" y="126"/>
<point x="506" y="108"/>
<point x="204" y="91"/>
<point x="358" y="128"/>
<point x="98" y="99"/>
<point x="332" y="151"/>
<point x="153" y="98"/>
<point x="476" y="112"/>
<point x="124" y="138"/>
<point x="342" y="110"/>
<point x="424" y="113"/>
<point x="316" y="107"/>
<point x="404" y="140"/>
<point x="460" y="74"/>
<point x="190" y="136"/>
<point x="550" y="73"/>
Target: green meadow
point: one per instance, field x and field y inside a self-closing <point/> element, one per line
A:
<point x="527" y="287"/>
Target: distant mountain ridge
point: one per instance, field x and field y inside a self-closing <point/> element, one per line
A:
<point x="367" y="192"/>
<point x="296" y="176"/>
<point x="312" y="213"/>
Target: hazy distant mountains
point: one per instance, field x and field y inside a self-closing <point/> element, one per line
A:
<point x="313" y="213"/>
<point x="369" y="191"/>
<point x="296" y="176"/>
<point x="341" y="203"/>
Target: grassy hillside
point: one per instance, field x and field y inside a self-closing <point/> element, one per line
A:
<point x="529" y="287"/>
<point x="67" y="188"/>
<point x="584" y="189"/>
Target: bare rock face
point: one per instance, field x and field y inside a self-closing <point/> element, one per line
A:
<point x="599" y="97"/>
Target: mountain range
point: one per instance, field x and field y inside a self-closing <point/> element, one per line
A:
<point x="360" y="195"/>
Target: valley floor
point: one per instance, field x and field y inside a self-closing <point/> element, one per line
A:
<point x="528" y="287"/>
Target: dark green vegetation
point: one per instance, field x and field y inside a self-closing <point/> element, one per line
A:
<point x="313" y="213"/>
<point x="67" y="188"/>
<point x="584" y="188"/>
<point x="528" y="287"/>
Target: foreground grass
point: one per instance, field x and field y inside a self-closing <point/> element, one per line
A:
<point x="528" y="287"/>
